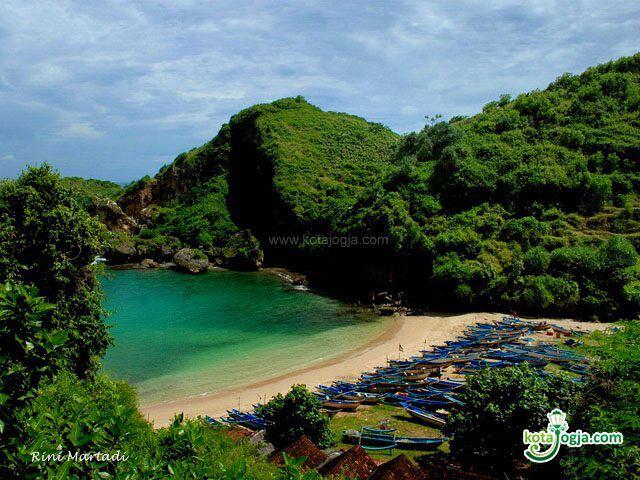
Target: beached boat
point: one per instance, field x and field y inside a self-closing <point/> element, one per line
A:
<point x="342" y="405"/>
<point x="384" y="438"/>
<point x="245" y="419"/>
<point x="430" y="418"/>
<point x="362" y="397"/>
<point x="564" y="331"/>
<point x="538" y="327"/>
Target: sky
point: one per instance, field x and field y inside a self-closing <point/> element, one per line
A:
<point x="116" y="89"/>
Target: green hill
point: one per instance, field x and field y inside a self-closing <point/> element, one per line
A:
<point x="283" y="166"/>
<point x="518" y="206"/>
<point x="531" y="204"/>
<point x="292" y="164"/>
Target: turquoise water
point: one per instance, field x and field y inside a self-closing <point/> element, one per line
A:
<point x="180" y="335"/>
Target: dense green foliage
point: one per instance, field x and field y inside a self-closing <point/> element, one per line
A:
<point x="48" y="241"/>
<point x="295" y="414"/>
<point x="499" y="405"/>
<point x="514" y="207"/>
<point x="102" y="416"/>
<point x="27" y="355"/>
<point x="610" y="401"/>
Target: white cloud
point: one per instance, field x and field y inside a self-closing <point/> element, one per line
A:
<point x="7" y="157"/>
<point x="80" y="130"/>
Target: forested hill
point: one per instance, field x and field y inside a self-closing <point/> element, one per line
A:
<point x="531" y="204"/>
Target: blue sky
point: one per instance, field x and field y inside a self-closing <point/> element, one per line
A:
<point x="115" y="89"/>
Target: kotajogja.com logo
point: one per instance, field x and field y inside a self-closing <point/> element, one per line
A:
<point x="557" y="434"/>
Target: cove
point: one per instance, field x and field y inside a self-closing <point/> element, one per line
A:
<point x="180" y="335"/>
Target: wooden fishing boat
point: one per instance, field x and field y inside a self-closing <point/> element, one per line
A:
<point x="564" y="331"/>
<point x="430" y="418"/>
<point x="540" y="326"/>
<point x="330" y="413"/>
<point x="385" y="438"/>
<point x="364" y="398"/>
<point x="415" y="377"/>
<point x="342" y="405"/>
<point x="419" y="443"/>
<point x="440" y="362"/>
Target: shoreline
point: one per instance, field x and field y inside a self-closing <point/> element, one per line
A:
<point x="414" y="333"/>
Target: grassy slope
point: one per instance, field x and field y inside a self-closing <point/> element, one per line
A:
<point x="87" y="188"/>
<point x="323" y="156"/>
<point x="292" y="163"/>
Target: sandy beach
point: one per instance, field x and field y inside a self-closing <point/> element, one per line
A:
<point x="413" y="333"/>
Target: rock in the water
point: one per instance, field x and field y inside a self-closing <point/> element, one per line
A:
<point x="149" y="263"/>
<point x="121" y="248"/>
<point x="191" y="260"/>
<point x="243" y="252"/>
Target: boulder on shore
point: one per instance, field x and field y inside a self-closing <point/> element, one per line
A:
<point x="191" y="260"/>
<point x="121" y="248"/>
<point x="243" y="252"/>
<point x="149" y="263"/>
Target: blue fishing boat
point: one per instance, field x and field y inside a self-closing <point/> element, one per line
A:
<point x="370" y="437"/>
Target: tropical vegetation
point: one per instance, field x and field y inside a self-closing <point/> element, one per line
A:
<point x="531" y="204"/>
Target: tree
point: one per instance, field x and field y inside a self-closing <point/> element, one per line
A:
<point x="48" y="241"/>
<point x="295" y="414"/>
<point x="499" y="405"/>
<point x="610" y="402"/>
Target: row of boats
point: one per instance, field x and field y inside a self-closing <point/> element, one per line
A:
<point x="417" y="385"/>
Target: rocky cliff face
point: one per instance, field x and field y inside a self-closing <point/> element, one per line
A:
<point x="134" y="201"/>
<point x="178" y="179"/>
<point x="111" y="214"/>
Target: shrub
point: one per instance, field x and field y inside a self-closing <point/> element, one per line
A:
<point x="294" y="414"/>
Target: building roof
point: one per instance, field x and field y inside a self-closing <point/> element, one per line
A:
<point x="303" y="447"/>
<point x="354" y="463"/>
<point x="400" y="468"/>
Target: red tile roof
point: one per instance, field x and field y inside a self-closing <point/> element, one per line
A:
<point x="400" y="468"/>
<point x="354" y="463"/>
<point x="303" y="447"/>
